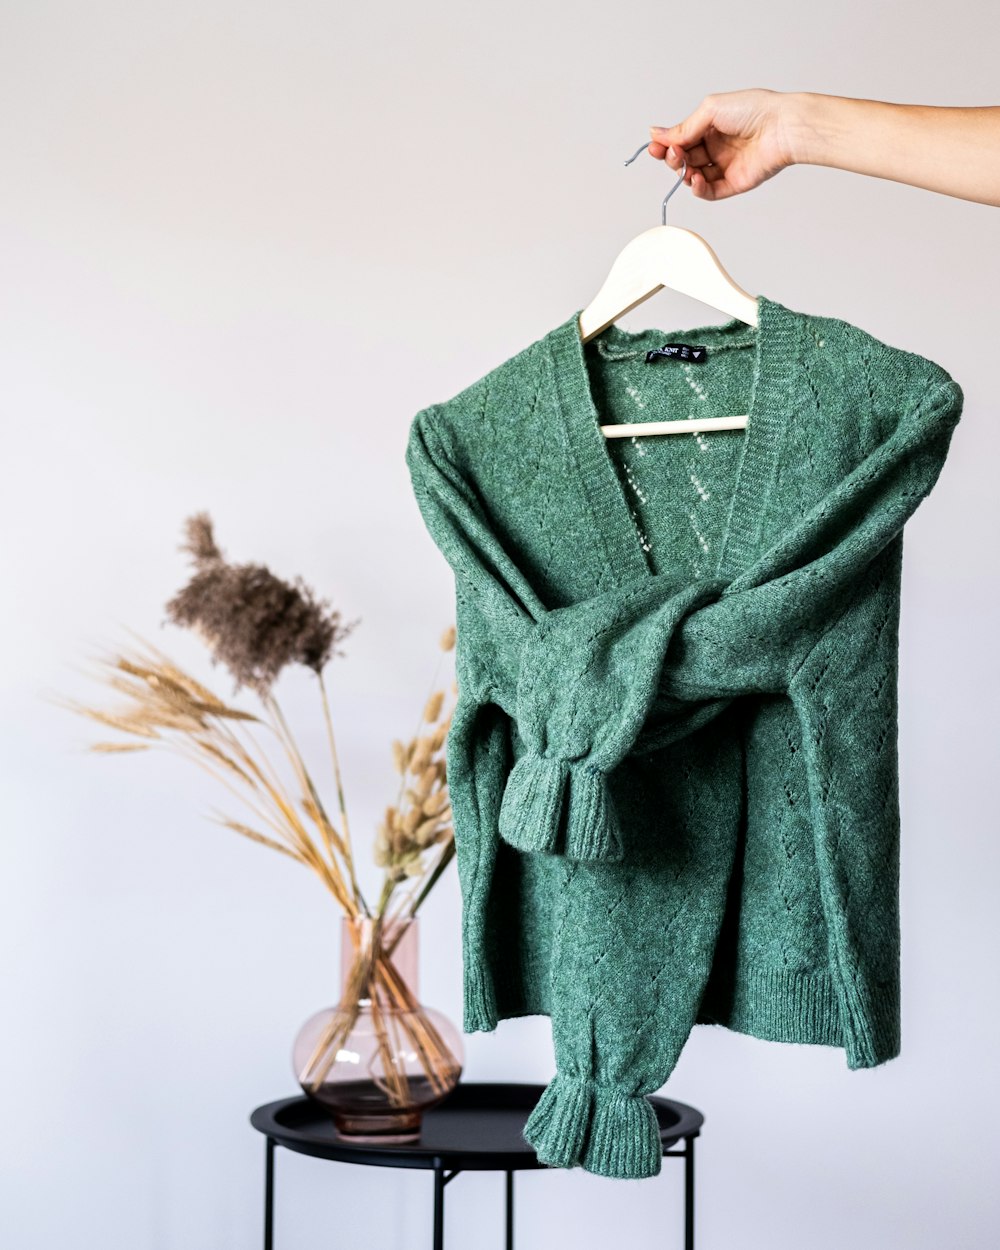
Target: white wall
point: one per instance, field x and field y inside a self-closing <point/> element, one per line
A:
<point x="242" y="244"/>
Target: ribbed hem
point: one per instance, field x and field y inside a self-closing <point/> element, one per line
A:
<point x="875" y="1034"/>
<point x="773" y="1004"/>
<point x="778" y="1005"/>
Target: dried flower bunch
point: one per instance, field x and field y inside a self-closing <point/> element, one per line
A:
<point x="421" y="816"/>
<point x="256" y="624"/>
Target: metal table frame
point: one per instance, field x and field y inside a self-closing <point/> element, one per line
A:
<point x="285" y="1123"/>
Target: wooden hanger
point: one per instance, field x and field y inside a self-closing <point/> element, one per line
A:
<point x="666" y="256"/>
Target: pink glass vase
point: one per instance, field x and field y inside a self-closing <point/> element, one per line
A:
<point x="379" y="1058"/>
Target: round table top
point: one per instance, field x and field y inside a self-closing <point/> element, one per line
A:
<point x="476" y="1127"/>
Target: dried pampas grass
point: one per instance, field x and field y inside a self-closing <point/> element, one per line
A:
<point x="256" y="624"/>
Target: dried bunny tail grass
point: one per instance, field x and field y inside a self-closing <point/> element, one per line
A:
<point x="426" y="782"/>
<point x="424" y="833"/>
<point x="421" y="756"/>
<point x="432" y="710"/>
<point x="433" y="805"/>
<point x="383" y="846"/>
<point x="422" y="814"/>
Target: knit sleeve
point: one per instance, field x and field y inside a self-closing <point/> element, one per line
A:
<point x="845" y="697"/>
<point x="636" y="668"/>
<point x="495" y="604"/>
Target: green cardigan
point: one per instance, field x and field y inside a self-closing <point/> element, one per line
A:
<point x="673" y="757"/>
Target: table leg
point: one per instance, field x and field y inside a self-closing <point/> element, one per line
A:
<point x="689" y="1193"/>
<point x="269" y="1195"/>
<point x="439" y="1208"/>
<point x="509" y="1243"/>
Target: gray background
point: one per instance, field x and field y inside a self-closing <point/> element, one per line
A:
<point x="242" y="244"/>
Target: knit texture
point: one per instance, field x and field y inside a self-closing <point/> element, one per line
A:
<point x="673" y="758"/>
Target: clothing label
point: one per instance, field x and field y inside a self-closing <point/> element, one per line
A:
<point x="678" y="351"/>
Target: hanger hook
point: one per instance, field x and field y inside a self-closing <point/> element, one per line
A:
<point x="672" y="189"/>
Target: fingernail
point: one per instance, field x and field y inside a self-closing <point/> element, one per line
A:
<point x="659" y="130"/>
<point x="672" y="154"/>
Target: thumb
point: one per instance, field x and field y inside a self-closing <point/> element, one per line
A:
<point x="688" y="132"/>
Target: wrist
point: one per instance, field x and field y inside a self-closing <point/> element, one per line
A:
<point x="805" y="122"/>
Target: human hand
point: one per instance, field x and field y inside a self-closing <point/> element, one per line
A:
<point x="732" y="142"/>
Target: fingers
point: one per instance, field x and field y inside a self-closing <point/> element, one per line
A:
<point x="707" y="182"/>
<point x="688" y="133"/>
<point x="710" y="184"/>
<point x="696" y="157"/>
<point x="693" y="157"/>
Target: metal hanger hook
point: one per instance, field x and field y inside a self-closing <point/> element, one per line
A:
<point x="672" y="189"/>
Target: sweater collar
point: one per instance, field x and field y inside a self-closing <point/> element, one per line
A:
<point x="776" y="340"/>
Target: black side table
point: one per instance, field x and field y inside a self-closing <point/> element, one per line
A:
<point x="477" y="1128"/>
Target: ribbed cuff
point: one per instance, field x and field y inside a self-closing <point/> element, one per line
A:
<point x="624" y="1136"/>
<point x="531" y="810"/>
<point x="532" y="803"/>
<point x="602" y="1128"/>
<point x="592" y="830"/>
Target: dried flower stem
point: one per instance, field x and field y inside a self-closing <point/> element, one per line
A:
<point x="429" y="880"/>
<point x="356" y="901"/>
<point x="301" y="845"/>
<point x="349" y="853"/>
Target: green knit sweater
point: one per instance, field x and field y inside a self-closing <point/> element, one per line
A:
<point x="673" y="758"/>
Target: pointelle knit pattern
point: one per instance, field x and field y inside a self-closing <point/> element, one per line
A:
<point x="673" y="758"/>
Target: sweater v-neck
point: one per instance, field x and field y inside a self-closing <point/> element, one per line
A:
<point x="776" y="342"/>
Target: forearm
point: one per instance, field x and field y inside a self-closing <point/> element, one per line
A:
<point x="952" y="150"/>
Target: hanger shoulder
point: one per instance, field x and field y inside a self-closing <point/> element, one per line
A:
<point x="665" y="256"/>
